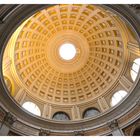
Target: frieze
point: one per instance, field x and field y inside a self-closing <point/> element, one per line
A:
<point x="131" y="114"/>
<point x="25" y="128"/>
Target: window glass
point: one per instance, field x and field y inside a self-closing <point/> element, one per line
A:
<point x="61" y="116"/>
<point x="31" y="107"/>
<point x="117" y="97"/>
<point x="135" y="69"/>
<point x="90" y="112"/>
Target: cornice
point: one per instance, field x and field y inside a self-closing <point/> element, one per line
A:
<point x="36" y="122"/>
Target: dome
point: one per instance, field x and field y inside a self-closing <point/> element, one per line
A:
<point x="68" y="59"/>
<point x="95" y="67"/>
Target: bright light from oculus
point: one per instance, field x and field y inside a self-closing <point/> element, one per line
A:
<point x="67" y="51"/>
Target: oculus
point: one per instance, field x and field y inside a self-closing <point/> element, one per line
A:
<point x="67" y="51"/>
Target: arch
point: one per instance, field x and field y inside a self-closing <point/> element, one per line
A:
<point x="137" y="131"/>
<point x="32" y="108"/>
<point x="135" y="69"/>
<point x="117" y="97"/>
<point x="61" y="116"/>
<point x="90" y="112"/>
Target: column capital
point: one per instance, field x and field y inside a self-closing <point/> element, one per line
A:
<point x="9" y="119"/>
<point x="44" y="132"/>
<point x="113" y="125"/>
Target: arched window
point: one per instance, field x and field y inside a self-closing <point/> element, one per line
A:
<point x="135" y="69"/>
<point x="117" y="97"/>
<point x="31" y="107"/>
<point x="61" y="116"/>
<point x="90" y="112"/>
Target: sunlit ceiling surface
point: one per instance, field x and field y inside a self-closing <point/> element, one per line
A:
<point x="44" y="72"/>
<point x="96" y="66"/>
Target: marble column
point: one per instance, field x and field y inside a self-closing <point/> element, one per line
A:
<point x="5" y="125"/>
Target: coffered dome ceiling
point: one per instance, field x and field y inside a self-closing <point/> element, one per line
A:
<point x="100" y="41"/>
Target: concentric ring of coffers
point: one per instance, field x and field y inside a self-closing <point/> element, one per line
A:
<point x="95" y="79"/>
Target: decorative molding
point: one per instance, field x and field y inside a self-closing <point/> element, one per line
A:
<point x="113" y="125"/>
<point x="2" y="114"/>
<point x="120" y="110"/>
<point x="133" y="48"/>
<point x="7" y="64"/>
<point x="19" y="95"/>
<point x="79" y="133"/>
<point x="43" y="132"/>
<point x="49" y="111"/>
<point x="45" y="111"/>
<point x="25" y="128"/>
<point x="9" y="119"/>
<point x="103" y="104"/>
<point x="135" y="8"/>
<point x="22" y="97"/>
<point x="138" y="102"/>
<point x="129" y="130"/>
<point x="126" y="83"/>
<point x="75" y="112"/>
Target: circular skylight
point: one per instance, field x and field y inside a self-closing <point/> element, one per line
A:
<point x="67" y="51"/>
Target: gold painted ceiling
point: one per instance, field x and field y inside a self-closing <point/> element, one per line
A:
<point x="100" y="41"/>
